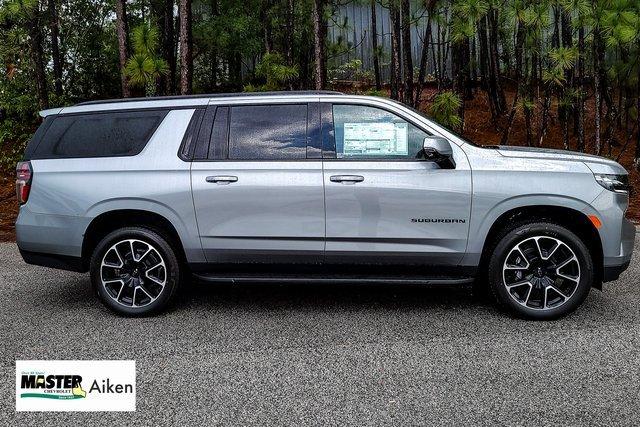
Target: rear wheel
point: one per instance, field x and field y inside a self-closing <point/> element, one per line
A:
<point x="135" y="271"/>
<point x="540" y="271"/>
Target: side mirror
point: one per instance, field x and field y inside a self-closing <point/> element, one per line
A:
<point x="438" y="149"/>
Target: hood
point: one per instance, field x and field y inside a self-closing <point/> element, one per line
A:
<point x="596" y="163"/>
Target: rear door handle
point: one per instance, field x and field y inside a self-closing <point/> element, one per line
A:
<point x="349" y="179"/>
<point x="222" y="179"/>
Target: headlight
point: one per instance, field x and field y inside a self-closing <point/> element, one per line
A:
<point x="615" y="183"/>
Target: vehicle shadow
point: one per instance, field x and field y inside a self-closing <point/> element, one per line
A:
<point x="76" y="294"/>
<point x="344" y="295"/>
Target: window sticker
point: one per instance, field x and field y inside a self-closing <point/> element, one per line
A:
<point x="375" y="139"/>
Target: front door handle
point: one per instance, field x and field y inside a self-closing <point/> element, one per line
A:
<point x="349" y="179"/>
<point x="222" y="179"/>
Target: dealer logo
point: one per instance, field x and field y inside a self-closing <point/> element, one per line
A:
<point x="75" y="385"/>
<point x="41" y="385"/>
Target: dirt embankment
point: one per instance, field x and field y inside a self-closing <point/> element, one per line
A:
<point x="8" y="209"/>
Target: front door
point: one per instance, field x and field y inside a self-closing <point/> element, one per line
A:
<point x="257" y="197"/>
<point x="385" y="204"/>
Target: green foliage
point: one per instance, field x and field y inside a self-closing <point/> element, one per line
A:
<point x="527" y="105"/>
<point x="374" y="92"/>
<point x="145" y="67"/>
<point x="351" y="70"/>
<point x="230" y="40"/>
<point x="445" y="109"/>
<point x="273" y="69"/>
<point x="145" y="39"/>
<point x="553" y="76"/>
<point x="564" y="58"/>
<point x="466" y="13"/>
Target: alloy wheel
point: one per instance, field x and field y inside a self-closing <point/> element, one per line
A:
<point x="133" y="273"/>
<point x="541" y="273"/>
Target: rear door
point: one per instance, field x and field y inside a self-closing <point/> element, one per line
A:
<point x="257" y="195"/>
<point x="384" y="203"/>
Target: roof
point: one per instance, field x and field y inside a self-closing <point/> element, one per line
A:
<point x="213" y="95"/>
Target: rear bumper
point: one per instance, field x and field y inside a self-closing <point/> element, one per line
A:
<point x="61" y="262"/>
<point x="50" y="234"/>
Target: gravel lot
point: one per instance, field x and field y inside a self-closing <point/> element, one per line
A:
<point x="318" y="355"/>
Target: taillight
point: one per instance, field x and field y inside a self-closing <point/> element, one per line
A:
<point x="24" y="175"/>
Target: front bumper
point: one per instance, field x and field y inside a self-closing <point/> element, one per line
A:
<point x="615" y="265"/>
<point x="617" y="233"/>
<point x="613" y="272"/>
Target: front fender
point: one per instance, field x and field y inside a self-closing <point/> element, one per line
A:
<point x="483" y="220"/>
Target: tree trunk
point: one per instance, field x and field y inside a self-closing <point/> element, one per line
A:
<point x="458" y="65"/>
<point x="546" y="106"/>
<point x="407" y="61"/>
<point x="374" y="45"/>
<point x="637" y="156"/>
<point x="55" y="48"/>
<point x="581" y="54"/>
<point x="186" y="46"/>
<point x="438" y="61"/>
<point x="168" y="45"/>
<point x="484" y="58"/>
<point x="37" y="57"/>
<point x="319" y="48"/>
<point x="555" y="37"/>
<point x="527" y="124"/>
<point x="494" y="65"/>
<point x="565" y="113"/>
<point x="266" y="25"/>
<point x="289" y="36"/>
<point x="518" y="72"/>
<point x="424" y="60"/>
<point x="213" y="79"/>
<point x="396" y="73"/>
<point x="122" y="30"/>
<point x="598" y="56"/>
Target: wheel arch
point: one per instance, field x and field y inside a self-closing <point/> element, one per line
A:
<point x="109" y="221"/>
<point x="572" y="219"/>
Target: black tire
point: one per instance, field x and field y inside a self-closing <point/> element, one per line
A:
<point x="542" y="276"/>
<point x="136" y="274"/>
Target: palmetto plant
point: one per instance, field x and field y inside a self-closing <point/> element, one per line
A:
<point x="145" y="67"/>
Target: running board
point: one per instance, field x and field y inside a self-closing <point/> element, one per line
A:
<point x="313" y="279"/>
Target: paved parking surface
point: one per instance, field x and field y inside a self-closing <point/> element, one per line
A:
<point x="319" y="355"/>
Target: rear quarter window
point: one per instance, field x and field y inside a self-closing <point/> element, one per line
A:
<point x="110" y="134"/>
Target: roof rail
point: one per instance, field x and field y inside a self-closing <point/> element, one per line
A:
<point x="213" y="95"/>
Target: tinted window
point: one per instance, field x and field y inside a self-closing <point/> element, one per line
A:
<point x="371" y="133"/>
<point x="218" y="145"/>
<point x="99" y="135"/>
<point x="189" y="138"/>
<point x="35" y="139"/>
<point x="268" y="132"/>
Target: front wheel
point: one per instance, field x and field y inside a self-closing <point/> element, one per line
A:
<point x="135" y="271"/>
<point x="540" y="271"/>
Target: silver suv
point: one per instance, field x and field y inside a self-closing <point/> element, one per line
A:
<point x="312" y="187"/>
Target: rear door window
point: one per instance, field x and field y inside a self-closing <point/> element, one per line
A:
<point x="268" y="132"/>
<point x="110" y="134"/>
